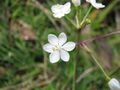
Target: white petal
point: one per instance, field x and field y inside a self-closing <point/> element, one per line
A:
<point x="88" y="1"/>
<point x="58" y="15"/>
<point x="98" y="5"/>
<point x="56" y="8"/>
<point x="54" y="57"/>
<point x="76" y="2"/>
<point x="62" y="38"/>
<point x="67" y="11"/>
<point x="60" y="10"/>
<point x="48" y="47"/>
<point x="64" y="55"/>
<point x="95" y="4"/>
<point x="114" y="84"/>
<point x="66" y="8"/>
<point x="69" y="46"/>
<point x="57" y="11"/>
<point x="52" y="39"/>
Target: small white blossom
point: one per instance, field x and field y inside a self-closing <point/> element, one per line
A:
<point x="114" y="84"/>
<point x="95" y="4"/>
<point x="76" y="2"/>
<point x="58" y="47"/>
<point x="60" y="10"/>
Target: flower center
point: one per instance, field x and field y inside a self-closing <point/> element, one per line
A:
<point x="56" y="48"/>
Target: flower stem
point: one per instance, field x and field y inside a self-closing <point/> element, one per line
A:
<point x="96" y="61"/>
<point x="77" y="18"/>
<point x="71" y="21"/>
<point x="85" y="17"/>
<point x="74" y="77"/>
<point x="78" y="34"/>
<point x="102" y="37"/>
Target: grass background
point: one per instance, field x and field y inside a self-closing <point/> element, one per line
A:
<point x="24" y="27"/>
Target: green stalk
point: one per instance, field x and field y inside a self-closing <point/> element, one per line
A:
<point x="96" y="61"/>
<point x="84" y="19"/>
<point x="71" y="21"/>
<point x="77" y="18"/>
<point x="78" y="34"/>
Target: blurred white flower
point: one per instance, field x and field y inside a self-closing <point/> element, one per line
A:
<point x="60" y="10"/>
<point x="76" y="2"/>
<point x="114" y="84"/>
<point x="95" y="4"/>
<point x="58" y="47"/>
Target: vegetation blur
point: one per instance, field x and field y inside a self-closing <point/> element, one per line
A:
<point x="24" y="29"/>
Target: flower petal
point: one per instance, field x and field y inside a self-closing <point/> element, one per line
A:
<point x="64" y="55"/>
<point x="53" y="39"/>
<point x="58" y="15"/>
<point x="66" y="8"/>
<point x="54" y="57"/>
<point x="98" y="5"/>
<point x="88" y="1"/>
<point x="69" y="46"/>
<point x="60" y="10"/>
<point x="48" y="48"/>
<point x="57" y="11"/>
<point x="56" y="8"/>
<point x="62" y="38"/>
<point x="114" y="84"/>
<point x="95" y="4"/>
<point x="76" y="2"/>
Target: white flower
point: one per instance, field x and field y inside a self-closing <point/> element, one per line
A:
<point x="114" y="84"/>
<point x="60" y="10"/>
<point x="76" y="2"/>
<point x="58" y="47"/>
<point x="95" y="4"/>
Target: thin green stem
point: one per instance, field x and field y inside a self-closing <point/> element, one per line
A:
<point x="78" y="34"/>
<point x="96" y="61"/>
<point x="71" y="21"/>
<point x="77" y="18"/>
<point x="74" y="77"/>
<point x="85" y="17"/>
